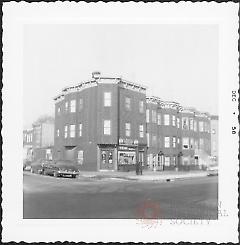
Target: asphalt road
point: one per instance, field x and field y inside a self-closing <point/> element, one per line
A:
<point x="46" y="197"/>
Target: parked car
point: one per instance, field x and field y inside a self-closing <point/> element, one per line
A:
<point x="212" y="170"/>
<point x="60" y="169"/>
<point x="27" y="165"/>
<point x="37" y="166"/>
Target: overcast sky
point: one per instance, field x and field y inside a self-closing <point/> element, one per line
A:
<point x="175" y="62"/>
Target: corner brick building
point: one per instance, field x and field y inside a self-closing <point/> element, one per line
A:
<point x="108" y="123"/>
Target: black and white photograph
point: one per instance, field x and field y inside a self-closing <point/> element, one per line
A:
<point x="125" y="120"/>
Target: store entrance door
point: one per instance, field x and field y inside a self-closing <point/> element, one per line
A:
<point x="106" y="162"/>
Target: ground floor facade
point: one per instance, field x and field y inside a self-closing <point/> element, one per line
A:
<point x="104" y="157"/>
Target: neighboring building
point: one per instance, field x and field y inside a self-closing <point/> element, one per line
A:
<point x="214" y="137"/>
<point x="196" y="137"/>
<point x="163" y="133"/>
<point x="27" y="145"/>
<point x="38" y="141"/>
<point x="100" y="124"/>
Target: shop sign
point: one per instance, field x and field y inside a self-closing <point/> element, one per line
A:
<point x="128" y="142"/>
<point x="126" y="148"/>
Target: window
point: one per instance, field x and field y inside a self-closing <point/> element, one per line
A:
<point x="80" y="129"/>
<point x="185" y="123"/>
<point x="195" y="125"/>
<point x="159" y="119"/>
<point x="65" y="131"/>
<point x="166" y="142"/>
<point x="66" y="106"/>
<point x="178" y="122"/>
<point x="191" y="123"/>
<point x="80" y="157"/>
<point x="147" y="115"/>
<point x="128" y="103"/>
<point x="173" y="120"/>
<point x="174" y="142"/>
<point x="58" y="132"/>
<point x="73" y="106"/>
<point x="128" y="129"/>
<point x="178" y="140"/>
<point x="166" y="119"/>
<point x="154" y="116"/>
<point x="201" y="144"/>
<point x="185" y="142"/>
<point x="141" y="131"/>
<point x="80" y="104"/>
<point x="72" y="131"/>
<point x="58" y="110"/>
<point x="196" y="144"/>
<point x="213" y="131"/>
<point x="107" y="99"/>
<point x="107" y="127"/>
<point x="148" y="139"/>
<point x="167" y="161"/>
<point x="201" y="126"/>
<point x="141" y="106"/>
<point x="191" y="143"/>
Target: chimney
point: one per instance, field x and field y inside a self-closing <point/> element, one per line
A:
<point x="96" y="74"/>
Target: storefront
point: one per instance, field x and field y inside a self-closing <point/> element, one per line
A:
<point x="129" y="154"/>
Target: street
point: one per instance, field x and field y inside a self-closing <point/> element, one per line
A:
<point x="46" y="197"/>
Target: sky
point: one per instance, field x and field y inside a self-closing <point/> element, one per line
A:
<point x="175" y="62"/>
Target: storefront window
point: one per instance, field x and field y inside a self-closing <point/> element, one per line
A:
<point x="126" y="157"/>
<point x="103" y="157"/>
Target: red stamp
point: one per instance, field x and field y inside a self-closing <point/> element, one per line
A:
<point x="148" y="214"/>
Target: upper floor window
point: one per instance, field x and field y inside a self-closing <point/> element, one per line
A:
<point x="201" y="126"/>
<point x="58" y="110"/>
<point x="65" y="131"/>
<point x="66" y="106"/>
<point x="185" y="143"/>
<point x="73" y="106"/>
<point x="192" y="143"/>
<point x="127" y="129"/>
<point x="58" y="132"/>
<point x="107" y="99"/>
<point x="195" y="125"/>
<point x="141" y="131"/>
<point x="72" y="131"/>
<point x="196" y="144"/>
<point x="166" y="120"/>
<point x="128" y="103"/>
<point x="173" y="120"/>
<point x="80" y="129"/>
<point x="178" y="122"/>
<point x="191" y="126"/>
<point x="159" y="119"/>
<point x="80" y="104"/>
<point x="154" y="116"/>
<point x="147" y="115"/>
<point x="174" y="142"/>
<point x="201" y="143"/>
<point x="141" y="106"/>
<point x="166" y="142"/>
<point x="185" y="123"/>
<point x="107" y="127"/>
<point x="148" y="139"/>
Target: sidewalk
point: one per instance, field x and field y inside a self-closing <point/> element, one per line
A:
<point x="147" y="175"/>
